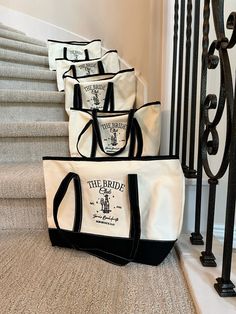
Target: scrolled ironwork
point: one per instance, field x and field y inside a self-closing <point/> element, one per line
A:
<point x="221" y="45"/>
<point x="231" y="24"/>
<point x="209" y="146"/>
<point x="213" y="60"/>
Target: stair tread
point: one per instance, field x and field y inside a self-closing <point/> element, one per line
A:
<point x="31" y="96"/>
<point x="46" y="279"/>
<point x="20" y="37"/>
<point x="21" y="180"/>
<point x="26" y="73"/>
<point x="22" y="46"/>
<point x="33" y="129"/>
<point x="11" y="29"/>
<point x="22" y="57"/>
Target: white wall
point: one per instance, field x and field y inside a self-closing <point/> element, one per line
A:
<point x="133" y="27"/>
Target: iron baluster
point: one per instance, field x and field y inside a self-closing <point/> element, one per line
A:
<point x="191" y="173"/>
<point x="174" y="66"/>
<point x="180" y="79"/>
<point x="186" y="87"/>
<point x="207" y="258"/>
<point x="224" y="285"/>
<point x="196" y="237"/>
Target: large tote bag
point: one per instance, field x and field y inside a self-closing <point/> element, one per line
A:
<point x="108" y="63"/>
<point x="130" y="133"/>
<point x="93" y="92"/>
<point x="121" y="211"/>
<point x="72" y="50"/>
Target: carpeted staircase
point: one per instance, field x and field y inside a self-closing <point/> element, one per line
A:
<point x="34" y="276"/>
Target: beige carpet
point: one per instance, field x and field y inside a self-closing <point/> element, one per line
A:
<point x="38" y="278"/>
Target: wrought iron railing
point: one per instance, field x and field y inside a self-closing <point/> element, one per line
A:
<point x="190" y="103"/>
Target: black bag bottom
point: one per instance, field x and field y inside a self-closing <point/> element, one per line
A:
<point x="150" y="252"/>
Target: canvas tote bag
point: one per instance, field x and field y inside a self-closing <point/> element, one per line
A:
<point x="120" y="210"/>
<point x="108" y="63"/>
<point x="128" y="133"/>
<point x="92" y="92"/>
<point x="72" y="50"/>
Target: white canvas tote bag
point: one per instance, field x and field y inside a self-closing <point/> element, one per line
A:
<point x="118" y="209"/>
<point x="108" y="63"/>
<point x="116" y="91"/>
<point x="128" y="133"/>
<point x="73" y="50"/>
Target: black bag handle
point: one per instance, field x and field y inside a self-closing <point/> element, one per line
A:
<point x="135" y="228"/>
<point x="77" y="97"/>
<point x="98" y="133"/>
<point x="65" y="53"/>
<point x="109" y="99"/>
<point x="108" y="102"/>
<point x="74" y="72"/>
<point x="67" y="73"/>
<point x="135" y="134"/>
<point x="100" y="67"/>
<point x="94" y="140"/>
<point x="73" y="69"/>
<point x="78" y="200"/>
<point x="86" y="54"/>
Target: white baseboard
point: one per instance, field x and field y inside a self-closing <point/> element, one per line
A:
<point x="219" y="231"/>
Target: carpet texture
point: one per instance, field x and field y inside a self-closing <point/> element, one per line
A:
<point x="37" y="278"/>
<point x="22" y="180"/>
<point x="26" y="149"/>
<point x="6" y="33"/>
<point x="22" y="196"/>
<point x="23" y="213"/>
<point x="11" y="29"/>
<point x="23" y="47"/>
<point x="31" y="105"/>
<point x="24" y="96"/>
<point x="19" y="77"/>
<point x="23" y="58"/>
<point x="31" y="129"/>
<point x="22" y="73"/>
<point x="22" y="142"/>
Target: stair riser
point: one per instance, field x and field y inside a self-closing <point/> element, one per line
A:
<point x="18" y="112"/>
<point x="23" y="214"/>
<point x="25" y="149"/>
<point x="22" y="84"/>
